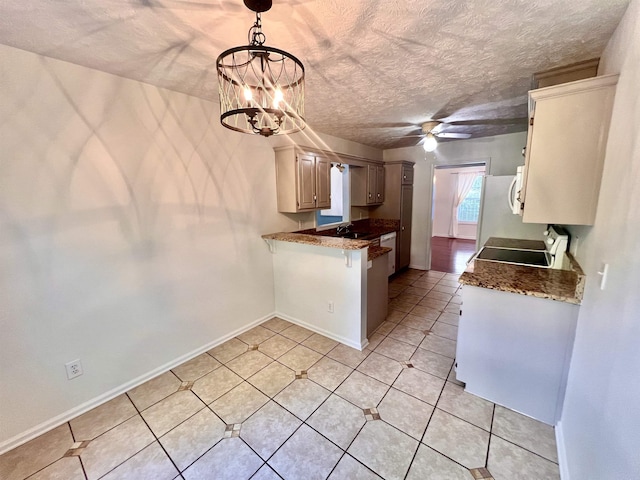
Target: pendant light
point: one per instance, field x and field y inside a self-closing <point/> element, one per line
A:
<point x="261" y="88"/>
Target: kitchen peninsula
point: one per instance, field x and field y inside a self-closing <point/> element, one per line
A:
<point x="329" y="284"/>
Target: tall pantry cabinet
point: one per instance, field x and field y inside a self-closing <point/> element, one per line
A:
<point x="398" y="204"/>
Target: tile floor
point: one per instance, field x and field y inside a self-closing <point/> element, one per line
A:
<point x="279" y="401"/>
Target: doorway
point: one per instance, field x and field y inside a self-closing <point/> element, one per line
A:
<point x="456" y="200"/>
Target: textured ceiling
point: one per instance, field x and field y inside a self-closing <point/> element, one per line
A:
<point x="375" y="69"/>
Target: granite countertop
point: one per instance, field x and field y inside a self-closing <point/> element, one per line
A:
<point x="326" y="238"/>
<point x="561" y="285"/>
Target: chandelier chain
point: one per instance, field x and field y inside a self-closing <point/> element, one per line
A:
<point x="256" y="37"/>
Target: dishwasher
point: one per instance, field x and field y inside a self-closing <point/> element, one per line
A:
<point x="389" y="241"/>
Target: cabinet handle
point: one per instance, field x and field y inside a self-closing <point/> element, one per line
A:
<point x="369" y="195"/>
<point x="402" y="229"/>
<point x="404" y="177"/>
<point x="315" y="197"/>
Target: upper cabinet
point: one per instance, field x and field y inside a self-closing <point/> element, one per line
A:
<point x="303" y="180"/>
<point x="367" y="185"/>
<point x="568" y="129"/>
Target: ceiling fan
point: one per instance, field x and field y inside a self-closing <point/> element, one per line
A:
<point x="432" y="130"/>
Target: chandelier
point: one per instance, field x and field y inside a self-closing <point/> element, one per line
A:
<point x="261" y="88"/>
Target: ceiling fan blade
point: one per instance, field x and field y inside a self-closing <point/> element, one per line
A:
<point x="452" y="135"/>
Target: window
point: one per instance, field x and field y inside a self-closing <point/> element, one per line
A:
<point x="469" y="209"/>
<point x="340" y="200"/>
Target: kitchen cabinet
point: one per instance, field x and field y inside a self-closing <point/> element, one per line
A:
<point x="567" y="138"/>
<point x="398" y="205"/>
<point x="367" y="185"/>
<point x="303" y="180"/>
<point x="515" y="350"/>
<point x="377" y="292"/>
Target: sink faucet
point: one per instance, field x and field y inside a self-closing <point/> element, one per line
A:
<point x="342" y="229"/>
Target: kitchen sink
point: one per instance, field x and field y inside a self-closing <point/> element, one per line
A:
<point x="356" y="235"/>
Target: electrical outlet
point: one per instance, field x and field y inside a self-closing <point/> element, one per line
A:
<point x="330" y="306"/>
<point x="74" y="369"/>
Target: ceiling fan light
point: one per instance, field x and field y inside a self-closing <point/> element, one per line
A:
<point x="430" y="143"/>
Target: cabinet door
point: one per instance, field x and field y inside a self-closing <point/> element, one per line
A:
<point x="379" y="184"/>
<point x="404" y="242"/>
<point x="407" y="175"/>
<point x="323" y="183"/>
<point x="306" y="182"/>
<point x="372" y="176"/>
<point x="565" y="152"/>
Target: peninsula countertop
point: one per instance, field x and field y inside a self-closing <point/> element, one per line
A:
<point x="562" y="285"/>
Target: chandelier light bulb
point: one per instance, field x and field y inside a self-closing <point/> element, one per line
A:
<point x="277" y="98"/>
<point x="247" y="94"/>
<point x="430" y="143"/>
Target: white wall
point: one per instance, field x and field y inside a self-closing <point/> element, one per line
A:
<point x="599" y="432"/>
<point x="130" y="226"/>
<point x="503" y="150"/>
<point x="308" y="277"/>
<point x="445" y="190"/>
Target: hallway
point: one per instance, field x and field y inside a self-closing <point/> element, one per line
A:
<point x="451" y="254"/>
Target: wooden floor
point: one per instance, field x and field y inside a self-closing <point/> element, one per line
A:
<point x="451" y="254"/>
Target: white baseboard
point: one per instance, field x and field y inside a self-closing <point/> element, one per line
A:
<point x="338" y="338"/>
<point x="52" y="423"/>
<point x="562" y="452"/>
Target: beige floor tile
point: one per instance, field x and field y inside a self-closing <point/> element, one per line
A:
<point x="349" y="468"/>
<point x="421" y="385"/>
<point x="154" y="390"/>
<point x="272" y="379"/>
<point x="427" y="313"/>
<point x="239" y="404"/>
<point x="374" y="341"/>
<point x="266" y="473"/>
<point x="525" y="432"/>
<point x="115" y="447"/>
<point x="196" y="367"/>
<point x="450" y="318"/>
<point x="35" y="454"/>
<point x="97" y="421"/>
<point x="228" y="350"/>
<point x="215" y="384"/>
<point x="320" y="343"/>
<point x="385" y="328"/>
<point x="395" y="316"/>
<point x="432" y="362"/>
<point x="417" y="291"/>
<point x="276" y="346"/>
<point x="347" y="355"/>
<point x="383" y="449"/>
<point x="67" y="468"/>
<point x="425" y="283"/>
<point x="433" y="304"/>
<point x="417" y="323"/>
<point x="457" y="439"/>
<point x="306" y="455"/>
<point x="406" y="297"/>
<point x="398" y="304"/>
<point x="230" y="459"/>
<point x="296" y="333"/>
<point x="268" y="428"/>
<point x="445" y="330"/>
<point x="508" y="461"/>
<point x="445" y="288"/>
<point x="430" y="464"/>
<point x="338" y="420"/>
<point x="452" y="378"/>
<point x="456" y="300"/>
<point x="453" y="308"/>
<point x="381" y="368"/>
<point x="276" y="324"/>
<point x="395" y="349"/>
<point x="441" y="345"/>
<point x="193" y="437"/>
<point x="249" y="363"/>
<point x="466" y="406"/>
<point x="443" y="297"/>
<point x="405" y="412"/>
<point x="256" y="335"/>
<point x="407" y="334"/>
<point x="329" y="373"/>
<point x="302" y="397"/>
<point x="300" y="358"/>
<point x="362" y="390"/>
<point x="171" y="411"/>
<point x="150" y="464"/>
<point x="434" y="274"/>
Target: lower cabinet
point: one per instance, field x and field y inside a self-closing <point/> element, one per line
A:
<point x="514" y="350"/>
<point x="377" y="292"/>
